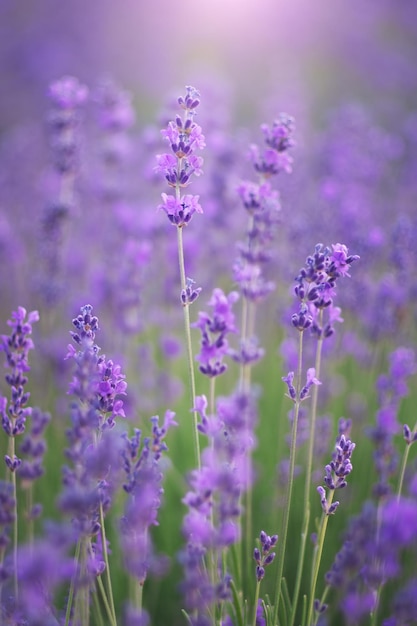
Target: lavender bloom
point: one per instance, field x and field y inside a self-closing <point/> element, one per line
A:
<point x="315" y="288"/>
<point x="33" y="448"/>
<point x="42" y="568"/>
<point x="16" y="348"/>
<point x="141" y="464"/>
<point x="310" y="381"/>
<point x="105" y="383"/>
<point x="391" y="389"/>
<point x="184" y="137"/>
<point x="116" y="116"/>
<point x="264" y="556"/>
<point x="262" y="204"/>
<point x="67" y="95"/>
<point x="190" y="294"/>
<point x="337" y="470"/>
<point x="214" y="498"/>
<point x="214" y="330"/>
<point x="93" y="446"/>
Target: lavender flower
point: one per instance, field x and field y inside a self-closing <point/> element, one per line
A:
<point x="141" y="464"/>
<point x="94" y="452"/>
<point x="184" y="137"/>
<point x="214" y="498"/>
<point x="214" y="331"/>
<point x="16" y="348"/>
<point x="264" y="556"/>
<point x="304" y="391"/>
<point x="33" y="448"/>
<point x="337" y="471"/>
<point x="392" y="387"/>
<point x="262" y="204"/>
<point x="67" y="96"/>
<point x="315" y="288"/>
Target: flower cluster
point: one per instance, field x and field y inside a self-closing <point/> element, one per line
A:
<point x="304" y="392"/>
<point x="94" y="447"/>
<point x="391" y="387"/>
<point x="143" y="476"/>
<point x="261" y="201"/>
<point x="315" y="288"/>
<point x="337" y="470"/>
<point x="67" y="95"/>
<point x="214" y="331"/>
<point x="211" y="524"/>
<point x="16" y="348"/>
<point x="264" y="556"/>
<point x="184" y="137"/>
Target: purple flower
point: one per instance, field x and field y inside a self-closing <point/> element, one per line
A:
<point x="214" y="331"/>
<point x="264" y="556"/>
<point x="143" y="478"/>
<point x="180" y="210"/>
<point x="337" y="471"/>
<point x="278" y="138"/>
<point x="392" y="387"/>
<point x="213" y="500"/>
<point x="68" y="93"/>
<point x="184" y="137"/>
<point x="315" y="288"/>
<point x="16" y="347"/>
<point x="33" y="448"/>
<point x="310" y="381"/>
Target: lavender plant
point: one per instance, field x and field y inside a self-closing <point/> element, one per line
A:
<point x="145" y="535"/>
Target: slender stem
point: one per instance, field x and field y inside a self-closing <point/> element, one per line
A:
<point x="402" y="471"/>
<point x="12" y="476"/>
<point x="317" y="557"/>
<point x="107" y="606"/>
<point x="288" y="495"/>
<point x="255" y="605"/>
<point x="304" y="535"/>
<point x="189" y="349"/>
<point x="309" y="469"/>
<point x="72" y="586"/>
<point x="403" y="465"/>
<point x="107" y="570"/>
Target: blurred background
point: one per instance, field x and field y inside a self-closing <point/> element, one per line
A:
<point x="317" y="52"/>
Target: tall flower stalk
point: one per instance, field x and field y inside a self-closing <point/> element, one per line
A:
<point x="315" y="290"/>
<point x="262" y="205"/>
<point x="16" y="348"/>
<point x="184" y="137"/>
<point x="94" y="453"/>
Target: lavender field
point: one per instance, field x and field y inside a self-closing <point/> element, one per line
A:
<point x="208" y="226"/>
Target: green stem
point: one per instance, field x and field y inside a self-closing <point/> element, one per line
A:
<point x="107" y="570"/>
<point x="317" y="558"/>
<point x="12" y="476"/>
<point x="402" y="471"/>
<point x="288" y="495"/>
<point x="107" y="606"/>
<point x="404" y="464"/>
<point x="72" y="586"/>
<point x="255" y="606"/>
<point x="190" y="359"/>
<point x="309" y="469"/>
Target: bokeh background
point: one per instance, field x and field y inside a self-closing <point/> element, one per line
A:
<point x="345" y="69"/>
<point x="320" y="52"/>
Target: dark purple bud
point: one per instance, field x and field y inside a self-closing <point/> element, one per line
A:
<point x="260" y="573"/>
